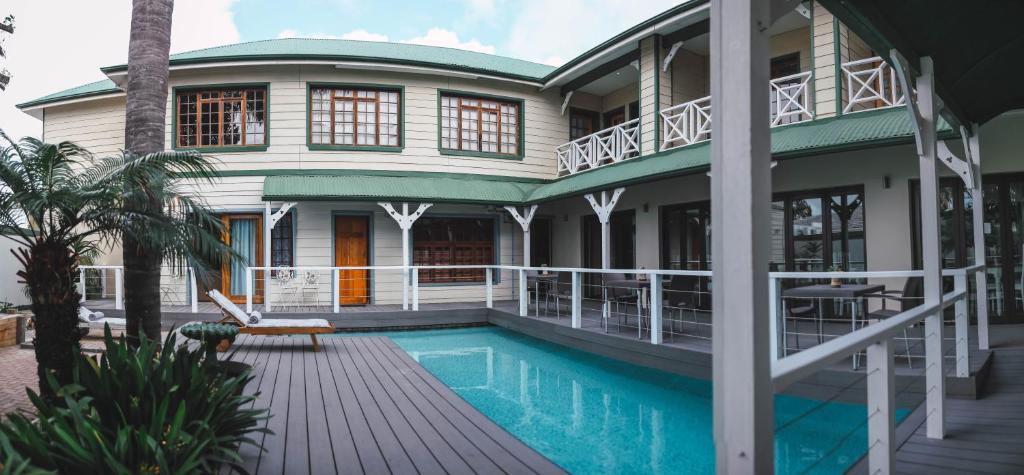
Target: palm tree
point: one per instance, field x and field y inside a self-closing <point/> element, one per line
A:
<point x="73" y="203"/>
<point x="145" y="112"/>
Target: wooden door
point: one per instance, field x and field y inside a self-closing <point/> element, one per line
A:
<point x="614" y="117"/>
<point x="352" y="248"/>
<point x="244" y="234"/>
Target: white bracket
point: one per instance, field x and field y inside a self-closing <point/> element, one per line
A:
<point x="605" y="207"/>
<point x="635" y="63"/>
<point x="404" y="219"/>
<point x="671" y="55"/>
<point x="565" y="103"/>
<point x="902" y="70"/>
<point x="525" y="218"/>
<point x="961" y="167"/>
<point x="277" y="215"/>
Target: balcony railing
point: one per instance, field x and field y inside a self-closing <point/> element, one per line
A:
<point x="871" y="84"/>
<point x="610" y="145"/>
<point x="690" y="122"/>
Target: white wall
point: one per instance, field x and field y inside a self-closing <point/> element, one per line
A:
<point x="10" y="290"/>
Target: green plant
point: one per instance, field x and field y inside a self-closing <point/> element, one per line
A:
<point x="211" y="334"/>
<point x="136" y="411"/>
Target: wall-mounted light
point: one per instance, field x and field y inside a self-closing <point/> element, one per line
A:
<point x="886" y="182"/>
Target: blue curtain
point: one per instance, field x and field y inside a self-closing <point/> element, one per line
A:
<point x="243" y="242"/>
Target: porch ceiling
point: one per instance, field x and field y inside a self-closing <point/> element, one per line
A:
<point x="976" y="47"/>
<point x="851" y="131"/>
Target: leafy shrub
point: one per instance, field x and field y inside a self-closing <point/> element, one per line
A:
<point x="210" y="334"/>
<point x="136" y="411"/>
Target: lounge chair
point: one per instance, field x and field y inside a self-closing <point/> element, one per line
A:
<point x="89" y="320"/>
<point x="254" y="324"/>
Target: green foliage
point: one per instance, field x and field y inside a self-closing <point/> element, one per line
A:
<point x="136" y="411"/>
<point x="211" y="334"/>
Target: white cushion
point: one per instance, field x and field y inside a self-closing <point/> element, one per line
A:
<point x="289" y="322"/>
<point x="254" y="318"/>
<point x="85" y="315"/>
<point x="113" y="322"/>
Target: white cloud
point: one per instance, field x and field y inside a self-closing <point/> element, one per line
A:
<point x="449" y="39"/>
<point x="547" y="32"/>
<point x="62" y="44"/>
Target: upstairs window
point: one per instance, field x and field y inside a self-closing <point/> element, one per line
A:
<point x="234" y="117"/>
<point x="474" y="124"/>
<point x="354" y="117"/>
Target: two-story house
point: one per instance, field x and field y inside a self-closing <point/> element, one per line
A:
<point x="325" y="130"/>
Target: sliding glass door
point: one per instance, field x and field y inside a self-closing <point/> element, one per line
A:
<point x="814" y="231"/>
<point x="686" y="236"/>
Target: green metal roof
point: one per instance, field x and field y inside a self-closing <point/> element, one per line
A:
<point x="368" y="51"/>
<point x="859" y="130"/>
<point x="97" y="88"/>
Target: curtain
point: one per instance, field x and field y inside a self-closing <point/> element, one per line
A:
<point x="243" y="242"/>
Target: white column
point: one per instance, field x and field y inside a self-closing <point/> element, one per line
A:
<point x="489" y="297"/>
<point x="336" y="289"/>
<point x="193" y="290"/>
<point x="935" y="381"/>
<point x="978" y="216"/>
<point x="405" y="222"/>
<point x="524" y="220"/>
<point x="81" y="284"/>
<point x="962" y="325"/>
<point x="577" y="300"/>
<point x="604" y="209"/>
<point x="248" y="289"/>
<point x="881" y="409"/>
<point x="655" y="296"/>
<point x="268" y="225"/>
<point x="740" y="196"/>
<point x="524" y="294"/>
<point x="119" y="288"/>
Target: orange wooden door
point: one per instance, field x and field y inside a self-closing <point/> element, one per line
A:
<point x="232" y="278"/>
<point x="352" y="248"/>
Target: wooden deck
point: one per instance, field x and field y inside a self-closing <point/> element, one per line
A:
<point x="361" y="405"/>
<point x="982" y="436"/>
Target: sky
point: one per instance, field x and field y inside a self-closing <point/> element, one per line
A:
<point x="59" y="44"/>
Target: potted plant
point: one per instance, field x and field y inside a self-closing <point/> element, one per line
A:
<point x="836" y="281"/>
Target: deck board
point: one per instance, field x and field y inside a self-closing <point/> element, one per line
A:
<point x="361" y="405"/>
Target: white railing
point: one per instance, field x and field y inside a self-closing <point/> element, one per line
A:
<point x="176" y="286"/>
<point x="686" y="123"/>
<point x="876" y="340"/>
<point x="871" y="84"/>
<point x="690" y="122"/>
<point x="611" y="145"/>
<point x="791" y="99"/>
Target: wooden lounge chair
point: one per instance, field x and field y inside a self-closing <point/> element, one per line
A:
<point x="268" y="326"/>
<point x="89" y="320"/>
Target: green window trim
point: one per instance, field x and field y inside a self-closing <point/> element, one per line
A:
<point x="175" y="91"/>
<point x="521" y="123"/>
<point x="355" y="148"/>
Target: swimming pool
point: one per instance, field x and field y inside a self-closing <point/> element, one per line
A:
<point x="591" y="414"/>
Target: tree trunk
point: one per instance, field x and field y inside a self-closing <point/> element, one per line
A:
<point x="145" y="119"/>
<point x="50" y="270"/>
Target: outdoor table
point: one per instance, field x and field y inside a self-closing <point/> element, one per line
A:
<point x="547" y="278"/>
<point x="821" y="292"/>
<point x="642" y="302"/>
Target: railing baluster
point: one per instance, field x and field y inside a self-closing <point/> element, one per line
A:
<point x="655" y="308"/>
<point x="336" y="289"/>
<point x="962" y="325"/>
<point x="119" y="288"/>
<point x="577" y="300"/>
<point x="490" y="288"/>
<point x="193" y="290"/>
<point x="524" y="294"/>
<point x="415" y="273"/>
<point x="881" y="408"/>
<point x="248" y="289"/>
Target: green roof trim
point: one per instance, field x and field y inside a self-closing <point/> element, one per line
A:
<point x="366" y="51"/>
<point x="98" y="88"/>
<point x="851" y="131"/>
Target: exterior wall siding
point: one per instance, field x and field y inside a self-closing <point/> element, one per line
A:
<point x="648" y="93"/>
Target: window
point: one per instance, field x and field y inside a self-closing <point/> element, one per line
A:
<point x="452" y="241"/>
<point x="222" y="117"/>
<point x="583" y="123"/>
<point x="814" y="230"/>
<point x="354" y="117"/>
<point x="540" y="242"/>
<point x="471" y="124"/>
<point x="281" y="242"/>
<point x="686" y="236"/>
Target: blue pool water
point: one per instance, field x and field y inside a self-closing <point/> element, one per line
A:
<point x="591" y="414"/>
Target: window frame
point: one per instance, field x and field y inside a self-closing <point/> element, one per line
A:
<point x="291" y="215"/>
<point x="400" y="89"/>
<point x="824" y="194"/>
<point x="520" y="133"/>
<point x="197" y="88"/>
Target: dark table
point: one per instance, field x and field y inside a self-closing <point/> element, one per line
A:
<point x="821" y="292"/>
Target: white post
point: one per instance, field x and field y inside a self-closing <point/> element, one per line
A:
<point x="603" y="210"/>
<point x="524" y="220"/>
<point x="405" y="222"/>
<point x="978" y="215"/>
<point x="881" y="409"/>
<point x="775" y="293"/>
<point x="336" y="288"/>
<point x="655" y="297"/>
<point x="740" y="195"/>
<point x="81" y="284"/>
<point x="577" y="300"/>
<point x="962" y="325"/>
<point x="935" y="379"/>
<point x="524" y="294"/>
<point x="268" y="225"/>
<point x="119" y="288"/>
<point x="193" y="290"/>
<point x="248" y="289"/>
<point x="490" y="288"/>
<point x="415" y="287"/>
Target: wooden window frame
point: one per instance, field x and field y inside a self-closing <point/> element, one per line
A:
<point x="220" y="89"/>
<point x="519" y="104"/>
<point x="357" y="87"/>
<point x="456" y="276"/>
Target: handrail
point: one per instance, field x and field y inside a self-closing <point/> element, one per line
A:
<point x="791" y="99"/>
<point x="795" y="367"/>
<point x="609" y="145"/>
<point x="867" y="86"/>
